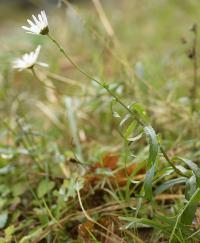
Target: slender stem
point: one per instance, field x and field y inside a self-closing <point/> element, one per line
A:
<point x="71" y="61"/>
<point x="87" y="75"/>
<point x="195" y="69"/>
<point x="88" y="216"/>
<point x="35" y="74"/>
<point x="169" y="161"/>
<point x="106" y="87"/>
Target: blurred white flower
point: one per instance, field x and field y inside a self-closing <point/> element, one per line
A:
<point x="28" y="60"/>
<point x="39" y="26"/>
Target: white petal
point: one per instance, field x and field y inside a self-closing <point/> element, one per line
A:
<point x="44" y="17"/>
<point x="37" y="51"/>
<point x="25" y="28"/>
<point x="28" y="60"/>
<point x="30" y="22"/>
<point x="42" y="64"/>
<point x="37" y="24"/>
<point x="40" y="18"/>
<point x="35" y="19"/>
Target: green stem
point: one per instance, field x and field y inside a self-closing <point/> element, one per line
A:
<point x="106" y="87"/>
<point x="71" y="61"/>
<point x="87" y="75"/>
<point x="35" y="74"/>
<point x="169" y="161"/>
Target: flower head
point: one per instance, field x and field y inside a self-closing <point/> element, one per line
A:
<point x="39" y="26"/>
<point x="28" y="60"/>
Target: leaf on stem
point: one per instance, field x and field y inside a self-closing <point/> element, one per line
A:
<point x="153" y="152"/>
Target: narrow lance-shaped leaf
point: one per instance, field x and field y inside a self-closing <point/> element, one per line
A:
<point x="193" y="167"/>
<point x="124" y="120"/>
<point x="190" y="209"/>
<point x="148" y="182"/>
<point x="169" y="184"/>
<point x="127" y="127"/>
<point x="192" y="185"/>
<point x="113" y="109"/>
<point x="189" y="213"/>
<point x="3" y="219"/>
<point x="140" y="111"/>
<point x="195" y="198"/>
<point x="153" y="145"/>
<point x="153" y="152"/>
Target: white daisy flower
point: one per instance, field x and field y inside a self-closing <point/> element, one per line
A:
<point x="39" y="26"/>
<point x="28" y="60"/>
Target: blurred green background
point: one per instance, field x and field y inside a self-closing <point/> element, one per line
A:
<point x="148" y="66"/>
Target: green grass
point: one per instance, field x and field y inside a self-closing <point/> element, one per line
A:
<point x="111" y="153"/>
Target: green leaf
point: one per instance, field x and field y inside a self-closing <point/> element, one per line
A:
<point x="3" y="219"/>
<point x="135" y="223"/>
<point x="153" y="145"/>
<point x="148" y="183"/>
<point x="193" y="167"/>
<point x="195" y="197"/>
<point x="124" y="120"/>
<point x="8" y="233"/>
<point x="153" y="152"/>
<point x="127" y="126"/>
<point x="136" y="138"/>
<point x="69" y="188"/>
<point x="115" y="113"/>
<point x="191" y="187"/>
<point x="18" y="189"/>
<point x="189" y="213"/>
<point x="130" y="129"/>
<point x="140" y="111"/>
<point x="44" y="187"/>
<point x="169" y="184"/>
<point x="31" y="236"/>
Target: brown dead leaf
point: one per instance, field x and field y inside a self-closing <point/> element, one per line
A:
<point x="110" y="161"/>
<point x="84" y="229"/>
